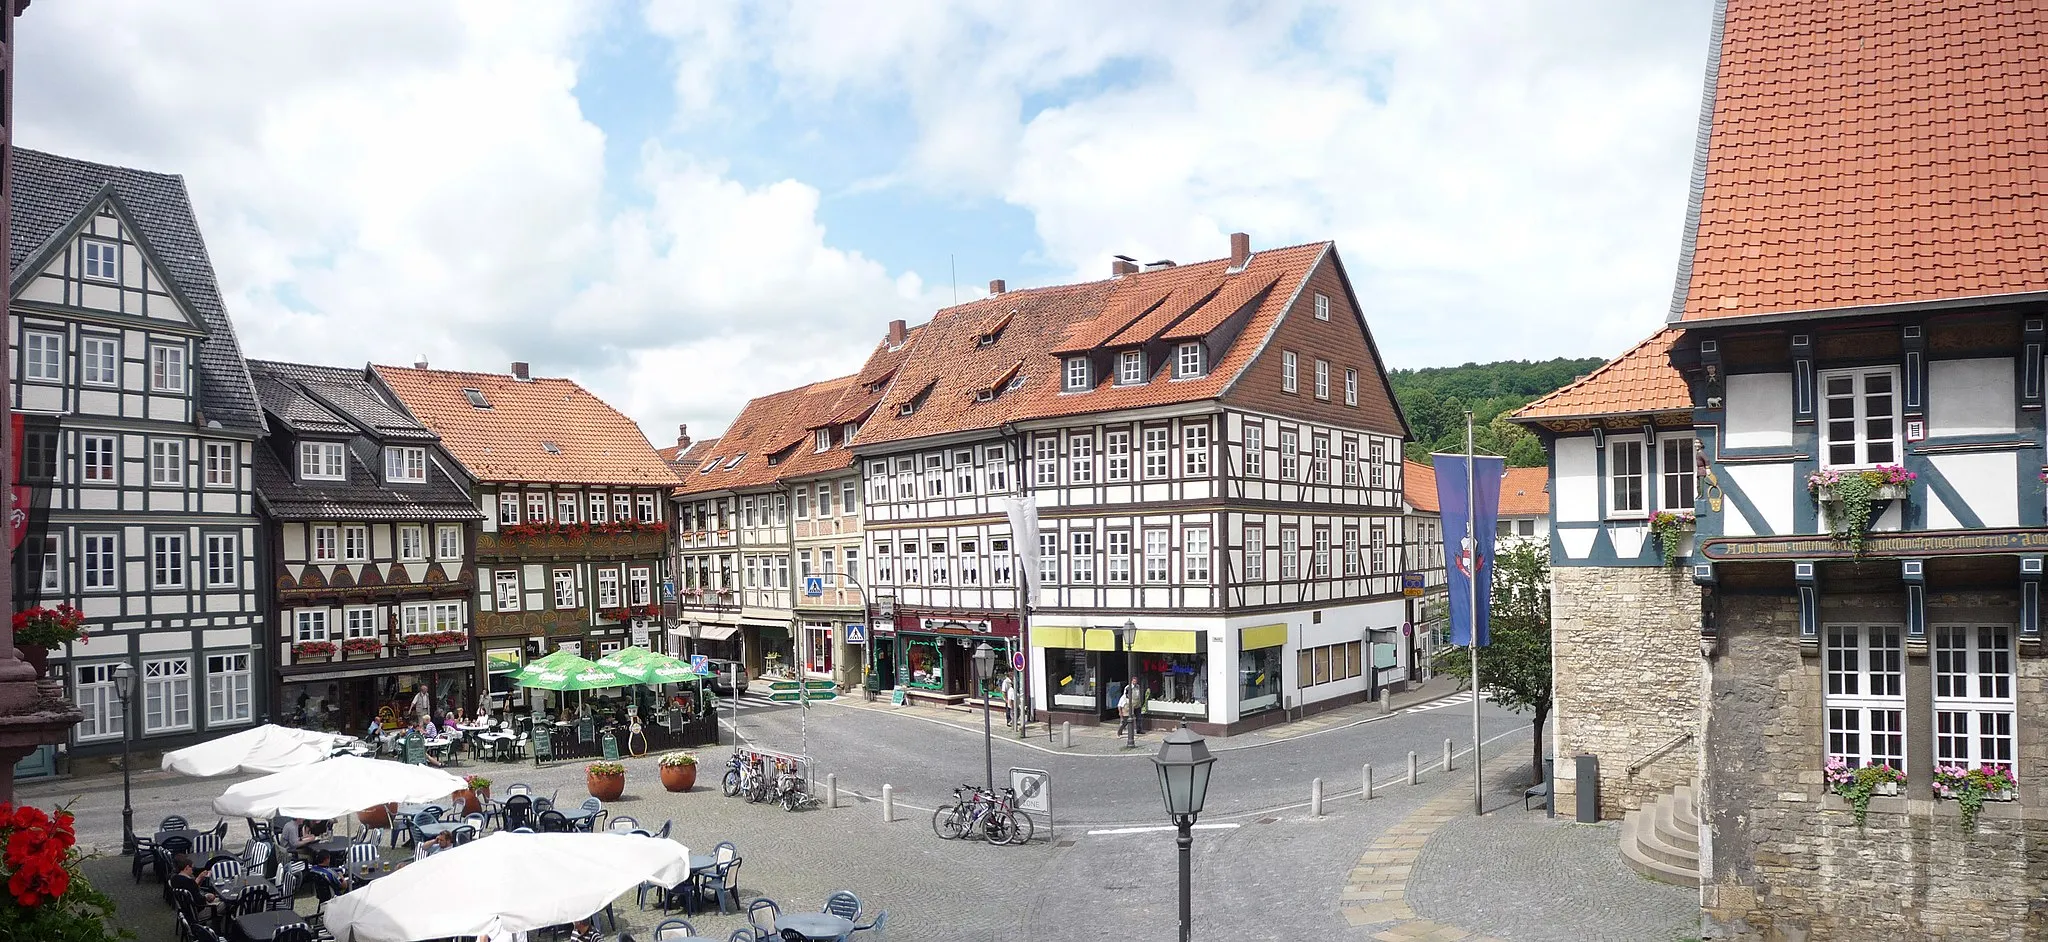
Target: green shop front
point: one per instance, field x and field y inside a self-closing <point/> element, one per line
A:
<point x="930" y="658"/>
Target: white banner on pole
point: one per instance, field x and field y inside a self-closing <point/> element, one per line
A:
<point x="1023" y="512"/>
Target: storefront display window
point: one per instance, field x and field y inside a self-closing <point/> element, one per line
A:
<point x="1175" y="683"/>
<point x="927" y="663"/>
<point x="351" y="704"/>
<point x="501" y="664"/>
<point x="993" y="686"/>
<point x="1073" y="677"/>
<point x="1258" y="680"/>
<point x="817" y="648"/>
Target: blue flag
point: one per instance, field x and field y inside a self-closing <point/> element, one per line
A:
<point x="1462" y="560"/>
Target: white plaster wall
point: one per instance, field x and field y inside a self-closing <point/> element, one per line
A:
<point x="1576" y="490"/>
<point x="1770" y="490"/>
<point x="1970" y="397"/>
<point x="1985" y="481"/>
<point x="1759" y="409"/>
<point x="1577" y="541"/>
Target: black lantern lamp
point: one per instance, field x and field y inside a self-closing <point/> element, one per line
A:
<point x="1183" y="763"/>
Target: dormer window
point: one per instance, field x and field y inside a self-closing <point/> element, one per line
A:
<point x="823" y="439"/>
<point x="847" y="431"/>
<point x="476" y="398"/>
<point x="405" y="465"/>
<point x="1187" y="360"/>
<point x="734" y="462"/>
<point x="1077" y="373"/>
<point x="100" y="259"/>
<point x="321" y="461"/>
<point x="1130" y="367"/>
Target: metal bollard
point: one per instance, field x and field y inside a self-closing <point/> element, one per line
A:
<point x="1447" y="756"/>
<point x="1315" y="798"/>
<point x="888" y="803"/>
<point x="1067" y="735"/>
<point x="1411" y="767"/>
<point x="1367" y="796"/>
<point x="831" y="789"/>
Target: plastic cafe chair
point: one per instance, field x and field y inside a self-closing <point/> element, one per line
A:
<point x="173" y="822"/>
<point x="552" y="822"/>
<point x="519" y="788"/>
<point x="209" y="841"/>
<point x="665" y="826"/>
<point x="875" y="929"/>
<point x="623" y="824"/>
<point x="595" y="806"/>
<point x="145" y="854"/>
<point x="363" y="856"/>
<point x="517" y="812"/>
<point x="464" y="834"/>
<point x="761" y="914"/>
<point x="724" y="883"/>
<point x="726" y="851"/>
<point x="844" y="904"/>
<point x="744" y="935"/>
<point x="477" y="822"/>
<point x="288" y="878"/>
<point x="676" y="928"/>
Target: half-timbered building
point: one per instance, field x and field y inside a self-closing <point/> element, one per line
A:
<point x="138" y="424"/>
<point x="1849" y="401"/>
<point x="1425" y="581"/>
<point x="573" y="544"/>
<point x="371" y="536"/>
<point x="1214" y="457"/>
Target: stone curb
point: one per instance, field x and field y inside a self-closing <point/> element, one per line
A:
<point x="1376" y="890"/>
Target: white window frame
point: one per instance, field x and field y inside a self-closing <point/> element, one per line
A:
<point x="324" y="544"/>
<point x="995" y="471"/>
<point x="1320" y="552"/>
<point x="166" y="694"/>
<point x="645" y="505"/>
<point x="1376" y="452"/>
<point x="1322" y="307"/>
<point x="1975" y="710"/>
<point x="1130" y="368"/>
<point x="1290" y="455"/>
<point x="51" y="579"/>
<point x="99" y="698"/>
<point x="415" y="618"/>
<point x="608" y="587"/>
<point x="1081" y="556"/>
<point x="355" y="544"/>
<point x="448" y="541"/>
<point x="166" y="368"/>
<point x="1194" y="450"/>
<point x="1676" y="472"/>
<point x="359" y="621"/>
<point x="1618" y="484"/>
<point x="99" y="459"/>
<point x="1254" y="449"/>
<point x="42" y="356"/>
<point x="640" y="585"/>
<point x="1863" y="694"/>
<point x="1862" y="443"/>
<point x="537" y="507"/>
<point x="1352" y="561"/>
<point x="1117" y="554"/>
<point x="166" y="462"/>
<point x="99" y="360"/>
<point x="1290" y="372"/>
<point x="1255" y="553"/>
<point x="322" y="461"/>
<point x="405" y="464"/>
<point x="1323" y="380"/>
<point x="167" y="560"/>
<point x="1076" y="375"/>
<point x="1319" y="467"/>
<point x="1290" y="554"/>
<point x="1116" y="450"/>
<point x="1194" y="555"/>
<point x="220" y="464"/>
<point x="228" y="688"/>
<point x="942" y="563"/>
<point x="1000" y="560"/>
<point x="821" y="440"/>
<point x="1048" y="559"/>
<point x="565" y="589"/>
<point x="1350" y="386"/>
<point x="505" y="583"/>
<point x="1045" y="460"/>
<point x="1187" y="360"/>
<point x="412" y="543"/>
<point x="99" y="259"/>
<point x="100" y="554"/>
<point x="1081" y="458"/>
<point x="1377" y="540"/>
<point x="1158" y="441"/>
<point x="508" y="509"/>
<point x="309" y="624"/>
<point x="600" y="509"/>
<point x="1158" y="555"/>
<point x="1350" y="462"/>
<point x="448" y="616"/>
<point x="223" y="560"/>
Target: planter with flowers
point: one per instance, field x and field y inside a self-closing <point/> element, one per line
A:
<point x="1849" y="498"/>
<point x="1670" y="528"/>
<point x="605" y="780"/>
<point x="37" y="630"/>
<point x="472" y="798"/>
<point x="313" y="652"/>
<point x="358" y="649"/>
<point x="1971" y="788"/>
<point x="47" y="898"/>
<point x="434" y="642"/>
<point x="679" y="771"/>
<point x="1858" y="786"/>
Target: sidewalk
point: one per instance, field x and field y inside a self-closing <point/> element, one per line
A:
<point x="1103" y="740"/>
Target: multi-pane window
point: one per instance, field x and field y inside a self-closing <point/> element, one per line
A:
<point x="405" y="465"/>
<point x="1157" y="550"/>
<point x="39" y="455"/>
<point x="311" y="624"/>
<point x="1350" y="387"/>
<point x="1322" y="379"/>
<point x="220" y="464"/>
<point x="848" y="499"/>
<point x="1077" y="373"/>
<point x="963" y="481"/>
<point x="1254" y="554"/>
<point x="646" y="505"/>
<point x="995" y="468"/>
<point x="223" y="560"/>
<point x="1081" y="459"/>
<point x="569" y="508"/>
<point x="1194" y="450"/>
<point x="1290" y="554"/>
<point x="1048" y="558"/>
<point x="969" y="557"/>
<point x="167" y="368"/>
<point x="1625" y="477"/>
<point x="227" y="688"/>
<point x="99" y="361"/>
<point x="537" y="507"/>
<point x="359" y="622"/>
<point x="1378" y="455"/>
<point x="355" y="543"/>
<point x="885" y="565"/>
<point x="1379" y="548"/>
<point x="600" y="511"/>
<point x="99" y="698"/>
<point x="167" y="463"/>
<point x="508" y="509"/>
<point x="1187" y="360"/>
<point x="906" y="479"/>
<point x="326" y="544"/>
<point x="1322" y="307"/>
<point x="412" y="542"/>
<point x="1045" y="461"/>
<point x="42" y="356"/>
<point x="1351" y="551"/>
<point x="98" y="554"/>
<point x="101" y="259"/>
<point x="1861" y="425"/>
<point x="1255" y="451"/>
<point x="803" y="503"/>
<point x="1865" y="695"/>
<point x="1290" y="457"/>
<point x="1194" y="554"/>
<point x="416" y="618"/>
<point x="1322" y="552"/>
<point x="320" y="461"/>
<point x="640" y="582"/>
<point x="1156" y="443"/>
<point x="167" y="560"/>
<point x="166" y="694"/>
<point x="999" y="561"/>
<point x="913" y="569"/>
<point x="447" y="617"/>
<point x="565" y="589"/>
<point x="1082" y="561"/>
<point x="448" y="538"/>
<point x="1973" y="696"/>
<point x="51" y="577"/>
<point x="96" y="457"/>
<point x="1130" y="367"/>
<point x="1119" y="556"/>
<point x="1351" y="462"/>
<point x="747" y="518"/>
<point x="506" y="582"/>
<point x="622" y="508"/>
<point x="607" y="587"/>
<point x="1290" y="371"/>
<point x="1319" y="468"/>
<point x="1116" y="448"/>
<point x="1676" y="469"/>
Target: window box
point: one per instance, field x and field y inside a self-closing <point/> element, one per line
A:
<point x="1670" y="528"/>
<point x="1851" y="500"/>
<point x="435" y="642"/>
<point x="361" y="649"/>
<point x="1858" y="785"/>
<point x="313" y="652"/>
<point x="1971" y="788"/>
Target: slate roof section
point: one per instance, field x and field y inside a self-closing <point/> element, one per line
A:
<point x="318" y="399"/>
<point x="363" y="496"/>
<point x="1639" y="381"/>
<point x="1863" y="154"/>
<point x="509" y="442"/>
<point x="50" y="193"/>
<point x="329" y="402"/>
<point x="1523" y="493"/>
<point x="1418" y="486"/>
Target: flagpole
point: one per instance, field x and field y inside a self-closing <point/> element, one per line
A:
<point x="1472" y="609"/>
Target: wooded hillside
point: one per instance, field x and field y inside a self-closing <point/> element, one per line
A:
<point x="1435" y="401"/>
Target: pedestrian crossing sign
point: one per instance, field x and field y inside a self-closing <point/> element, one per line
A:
<point x="856" y="634"/>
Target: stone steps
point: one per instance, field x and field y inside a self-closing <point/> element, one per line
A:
<point x="1661" y="839"/>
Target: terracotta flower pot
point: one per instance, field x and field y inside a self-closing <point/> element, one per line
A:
<point x="678" y="778"/>
<point x="605" y="787"/>
<point x="37" y="657"/>
<point x="378" y="817"/>
<point x="470" y="801"/>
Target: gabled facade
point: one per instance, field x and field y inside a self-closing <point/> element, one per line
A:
<point x="1213" y="453"/>
<point x="372" y="534"/>
<point x="572" y="550"/>
<point x="138" y="429"/>
<point x="1422" y="560"/>
<point x="1856" y="347"/>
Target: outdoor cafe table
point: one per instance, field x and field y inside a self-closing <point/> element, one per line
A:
<point x="814" y="925"/>
<point x="263" y="926"/>
<point x="190" y="835"/>
<point x="580" y="817"/>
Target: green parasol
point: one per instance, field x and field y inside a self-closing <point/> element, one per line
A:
<point x="654" y="668"/>
<point x="623" y="656"/>
<point x="564" y="671"/>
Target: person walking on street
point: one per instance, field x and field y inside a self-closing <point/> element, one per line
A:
<point x="1009" y="692"/>
<point x="1124" y="719"/>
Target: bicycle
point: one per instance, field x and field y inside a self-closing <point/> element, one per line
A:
<point x="794" y="792"/>
<point x="994" y="816"/>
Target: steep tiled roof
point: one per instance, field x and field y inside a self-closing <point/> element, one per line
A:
<point x="1523" y="493"/>
<point x="1639" y="381"/>
<point x="363" y="496"/>
<point x="1418" y="486"/>
<point x="775" y="427"/>
<point x="687" y="460"/>
<point x="540" y="430"/>
<point x="50" y="193"/>
<point x="328" y="402"/>
<point x="1863" y="153"/>
<point x="310" y="398"/>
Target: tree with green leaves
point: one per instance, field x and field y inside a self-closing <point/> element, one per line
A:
<point x="1435" y="400"/>
<point x="1514" y="670"/>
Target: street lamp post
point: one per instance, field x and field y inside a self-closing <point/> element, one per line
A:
<point x="1183" y="764"/>
<point x="124" y="687"/>
<point x="1129" y="633"/>
<point x="984" y="668"/>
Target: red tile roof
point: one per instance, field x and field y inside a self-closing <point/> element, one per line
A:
<point x="1418" y="486"/>
<point x="1639" y="381"/>
<point x="1868" y="153"/>
<point x="769" y="440"/>
<point x="542" y="430"/>
<point x="1523" y="493"/>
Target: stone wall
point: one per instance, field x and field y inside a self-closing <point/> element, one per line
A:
<point x="1788" y="860"/>
<point x="1625" y="656"/>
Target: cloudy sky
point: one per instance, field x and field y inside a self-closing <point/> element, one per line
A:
<point x="686" y="204"/>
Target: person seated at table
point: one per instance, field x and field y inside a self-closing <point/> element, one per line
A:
<point x="298" y="835"/>
<point x="582" y="931"/>
<point x="331" y="867"/>
<point x="441" y="842"/>
<point x="457" y="719"/>
<point x="185" y="876"/>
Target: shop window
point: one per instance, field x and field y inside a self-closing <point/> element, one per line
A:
<point x="1258" y="679"/>
<point x="818" y="648"/>
<point x="1072" y="677"/>
<point x="1177" y="684"/>
<point x="926" y="663"/>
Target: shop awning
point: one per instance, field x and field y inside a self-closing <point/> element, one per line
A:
<point x="1166" y="642"/>
<point x="1100" y="639"/>
<point x="1046" y="636"/>
<point x="1262" y="636"/>
<point x="708" y="632"/>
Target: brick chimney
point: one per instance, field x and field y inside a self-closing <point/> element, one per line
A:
<point x="899" y="331"/>
<point x="997" y="286"/>
<point x="1240" y="249"/>
<point x="1123" y="265"/>
<point x="682" y="437"/>
<point x="519" y="371"/>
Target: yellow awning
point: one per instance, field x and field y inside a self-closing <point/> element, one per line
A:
<point x="1101" y="639"/>
<point x="1165" y="642"/>
<point x="1262" y="636"/>
<point x="1051" y="637"/>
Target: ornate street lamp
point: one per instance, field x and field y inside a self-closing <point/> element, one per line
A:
<point x="984" y="668"/>
<point x="1129" y="634"/>
<point x="124" y="687"/>
<point x="1183" y="763"/>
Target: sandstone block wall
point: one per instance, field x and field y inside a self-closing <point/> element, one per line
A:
<point x="1626" y="664"/>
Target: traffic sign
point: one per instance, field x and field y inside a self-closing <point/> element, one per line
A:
<point x="856" y="634"/>
<point x="1017" y="661"/>
<point x="668" y="590"/>
<point x="699" y="664"/>
<point x="814" y="586"/>
<point x="1411" y="584"/>
<point x="785" y="696"/>
<point x="785" y="685"/>
<point x="792" y="696"/>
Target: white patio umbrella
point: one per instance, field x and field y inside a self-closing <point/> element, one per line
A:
<point x="341" y="785"/>
<point x="509" y="882"/>
<point x="267" y="748"/>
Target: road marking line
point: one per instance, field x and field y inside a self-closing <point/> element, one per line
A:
<point x="1164" y="827"/>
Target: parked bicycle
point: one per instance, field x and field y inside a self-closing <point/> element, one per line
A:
<point x="993" y="816"/>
